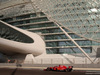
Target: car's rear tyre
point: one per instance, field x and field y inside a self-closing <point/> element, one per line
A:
<point x="69" y="70"/>
<point x="65" y="70"/>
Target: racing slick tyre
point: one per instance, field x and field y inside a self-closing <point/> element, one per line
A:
<point x="56" y="69"/>
<point x="69" y="70"/>
<point x="65" y="70"/>
<point x="48" y="69"/>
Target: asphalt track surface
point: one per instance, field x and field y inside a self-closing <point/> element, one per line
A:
<point x="30" y="71"/>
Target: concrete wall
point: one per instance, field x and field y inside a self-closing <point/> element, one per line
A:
<point x="61" y="59"/>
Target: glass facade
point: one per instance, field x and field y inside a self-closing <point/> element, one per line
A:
<point x="9" y="33"/>
<point x="79" y="16"/>
<point x="68" y="50"/>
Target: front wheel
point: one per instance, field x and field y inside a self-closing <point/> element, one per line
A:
<point x="48" y="69"/>
<point x="56" y="69"/>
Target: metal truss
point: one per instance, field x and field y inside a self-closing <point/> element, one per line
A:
<point x="80" y="16"/>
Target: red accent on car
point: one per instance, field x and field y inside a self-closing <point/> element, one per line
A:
<point x="59" y="68"/>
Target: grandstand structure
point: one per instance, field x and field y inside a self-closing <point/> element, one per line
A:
<point x="69" y="28"/>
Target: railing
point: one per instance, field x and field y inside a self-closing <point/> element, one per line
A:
<point x="62" y="61"/>
<point x="46" y="62"/>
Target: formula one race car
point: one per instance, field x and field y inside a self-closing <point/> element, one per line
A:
<point x="60" y="68"/>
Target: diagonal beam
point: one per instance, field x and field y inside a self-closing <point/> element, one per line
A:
<point x="50" y="18"/>
<point x="74" y="42"/>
